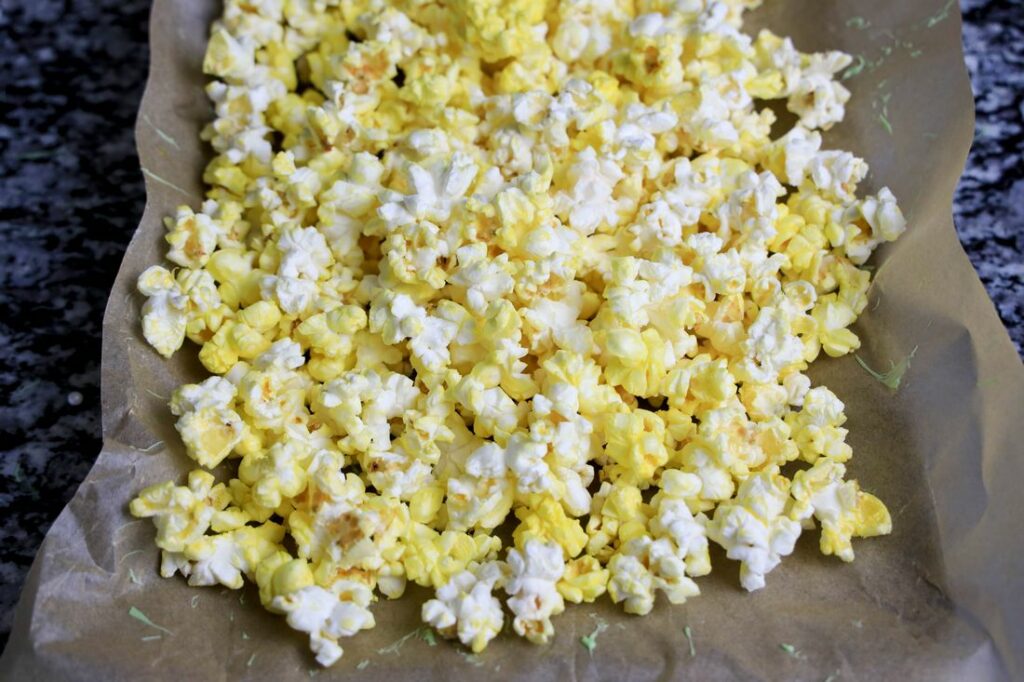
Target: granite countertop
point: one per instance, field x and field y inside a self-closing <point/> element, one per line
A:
<point x="72" y="194"/>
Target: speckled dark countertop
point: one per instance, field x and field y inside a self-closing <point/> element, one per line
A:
<point x="71" y="195"/>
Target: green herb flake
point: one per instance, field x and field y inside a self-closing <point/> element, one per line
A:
<point x="884" y="120"/>
<point x="790" y="650"/>
<point x="131" y="553"/>
<point x="832" y="677"/>
<point x="36" y="154"/>
<point x="589" y="642"/>
<point x="156" y="178"/>
<point x="362" y="664"/>
<point x="163" y="136"/>
<point x="881" y="105"/>
<point x="855" y="68"/>
<point x="396" y="646"/>
<point x="241" y="598"/>
<point x="248" y="664"/>
<point x="143" y="618"/>
<point x="914" y="54"/>
<point x="150" y="638"/>
<point x="427" y="635"/>
<point x="941" y="15"/>
<point x="194" y="602"/>
<point x="245" y="635"/>
<point x="134" y="578"/>
<point x="150" y="448"/>
<point x="859" y="23"/>
<point x="689" y="638"/>
<point x="894" y="376"/>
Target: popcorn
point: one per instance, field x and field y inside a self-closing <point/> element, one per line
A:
<point x="532" y="588"/>
<point x="843" y="510"/>
<point x="504" y="264"/>
<point x="616" y="517"/>
<point x="584" y="580"/>
<point x="591" y="202"/>
<point x="192" y="238"/>
<point x="482" y="497"/>
<point x="164" y="315"/>
<point x="224" y="558"/>
<point x="644" y="565"/>
<point x="208" y="425"/>
<point x="181" y="514"/>
<point x="465" y="608"/>
<point x="432" y="559"/>
<point x="754" y="529"/>
<point x="327" y="615"/>
<point x="636" y="447"/>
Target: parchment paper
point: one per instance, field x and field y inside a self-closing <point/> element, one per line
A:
<point x="939" y="599"/>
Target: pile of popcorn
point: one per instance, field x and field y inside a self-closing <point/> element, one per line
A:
<point x="543" y="266"/>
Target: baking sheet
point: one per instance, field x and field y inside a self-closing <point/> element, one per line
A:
<point x="941" y="598"/>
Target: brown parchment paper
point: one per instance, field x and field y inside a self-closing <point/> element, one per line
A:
<point x="939" y="599"/>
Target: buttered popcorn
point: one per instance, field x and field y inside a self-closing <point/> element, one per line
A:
<point x="535" y="265"/>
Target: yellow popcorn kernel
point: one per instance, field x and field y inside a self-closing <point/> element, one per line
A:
<point x="637" y="362"/>
<point x="216" y="354"/>
<point x="291" y="576"/>
<point x="546" y="520"/>
<point x="192" y="237"/>
<point x="181" y="514"/>
<point x="616" y="516"/>
<point x="228" y="558"/>
<point x="711" y="382"/>
<point x="763" y="401"/>
<point x="325" y="368"/>
<point x="853" y="285"/>
<point x="226" y="57"/>
<point x="264" y="575"/>
<point x="843" y="510"/>
<point x="635" y="447"/>
<point x="816" y="428"/>
<point x="431" y="558"/>
<point x="247" y="342"/>
<point x="283" y="164"/>
<point x="679" y="427"/>
<point x="498" y="29"/>
<point x="767" y="85"/>
<point x="229" y="519"/>
<point x="261" y="316"/>
<point x="223" y="173"/>
<point x="653" y="64"/>
<point x="832" y="317"/>
<point x="516" y="216"/>
<point x="787" y="227"/>
<point x="278" y="57"/>
<point x="584" y="580"/>
<point x="209" y="435"/>
<point x="275" y="474"/>
<point x="426" y="503"/>
<point x="230" y="265"/>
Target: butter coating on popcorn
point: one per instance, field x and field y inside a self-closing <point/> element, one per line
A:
<point x="479" y="265"/>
